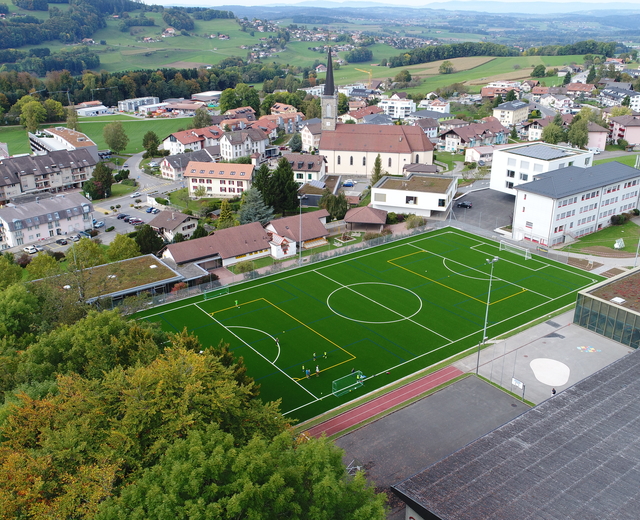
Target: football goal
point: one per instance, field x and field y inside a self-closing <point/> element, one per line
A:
<point x="220" y="291"/>
<point x="346" y="384"/>
<point x="518" y="250"/>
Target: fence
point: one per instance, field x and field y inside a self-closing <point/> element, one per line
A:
<point x="137" y="303"/>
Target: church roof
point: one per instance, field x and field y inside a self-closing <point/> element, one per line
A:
<point x="329" y="87"/>
<point x="376" y="138"/>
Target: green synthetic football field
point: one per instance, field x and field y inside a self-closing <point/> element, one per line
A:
<point x="387" y="311"/>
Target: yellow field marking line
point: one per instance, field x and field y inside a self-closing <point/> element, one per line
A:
<point x="446" y="286"/>
<point x="301" y="323"/>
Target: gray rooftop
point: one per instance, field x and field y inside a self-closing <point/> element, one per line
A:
<point x="573" y="180"/>
<point x="542" y="151"/>
<point x="48" y="208"/>
<point x="574" y="456"/>
<point x="512" y="105"/>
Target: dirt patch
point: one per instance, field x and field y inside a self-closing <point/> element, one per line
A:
<point x="459" y="64"/>
<point x="627" y="288"/>
<point x="186" y="65"/>
<point x="524" y="73"/>
<point x="583" y="263"/>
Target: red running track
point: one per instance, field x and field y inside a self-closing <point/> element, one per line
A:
<point x="384" y="402"/>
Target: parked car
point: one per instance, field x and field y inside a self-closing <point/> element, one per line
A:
<point x="84" y="234"/>
<point x="127" y="218"/>
<point x="149" y="210"/>
<point x="348" y="183"/>
<point x="62" y="242"/>
<point x="122" y="216"/>
<point x="153" y="164"/>
<point x="98" y="224"/>
<point x="155" y="211"/>
<point x="126" y="165"/>
<point x="38" y="248"/>
<point x="135" y="194"/>
<point x="75" y="238"/>
<point x="464" y="204"/>
<point x="30" y="249"/>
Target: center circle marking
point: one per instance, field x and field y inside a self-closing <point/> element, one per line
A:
<point x="401" y="318"/>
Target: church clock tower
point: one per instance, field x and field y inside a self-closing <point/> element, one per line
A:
<point x="329" y="99"/>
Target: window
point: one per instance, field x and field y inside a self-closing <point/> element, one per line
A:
<point x="411" y="200"/>
<point x="351" y="161"/>
<point x="441" y="203"/>
<point x="529" y="224"/>
<point x="222" y="181"/>
<point x="389" y="163"/>
<point x="380" y="197"/>
<point x="522" y="209"/>
<point x="338" y="159"/>
<point x="524" y="177"/>
<point x="511" y="161"/>
<point x="509" y="185"/>
<point x="364" y="161"/>
<point x="524" y="165"/>
<point x="511" y="174"/>
<point x="299" y="176"/>
<point x="417" y="158"/>
<point x="587" y="161"/>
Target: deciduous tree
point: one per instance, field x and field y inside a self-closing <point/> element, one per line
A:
<point x="123" y="247"/>
<point x="446" y="67"/>
<point x="578" y="134"/>
<point x="115" y="136"/>
<point x="10" y="272"/>
<point x="148" y="240"/>
<point x="552" y="134"/>
<point x="150" y="143"/>
<point x="43" y="266"/>
<point x="32" y="114"/>
<point x="201" y="119"/>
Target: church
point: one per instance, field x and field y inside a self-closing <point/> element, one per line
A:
<point x="352" y="149"/>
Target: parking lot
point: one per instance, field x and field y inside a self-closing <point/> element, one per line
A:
<point x="491" y="209"/>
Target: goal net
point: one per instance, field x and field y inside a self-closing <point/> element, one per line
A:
<point x="518" y="250"/>
<point x="346" y="384"/>
<point x="216" y="292"/>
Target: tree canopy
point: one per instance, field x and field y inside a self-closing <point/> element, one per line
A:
<point x="115" y="136"/>
<point x="254" y="209"/>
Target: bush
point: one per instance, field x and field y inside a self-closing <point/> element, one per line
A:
<point x="129" y="182"/>
<point x="245" y="266"/>
<point x="93" y="232"/>
<point x="58" y="255"/>
<point x="369" y="235"/>
<point x="187" y="212"/>
<point x="110" y="228"/>
<point x="414" y="221"/>
<point x="162" y="201"/>
<point x="618" y="220"/>
<point x="133" y="234"/>
<point x="23" y="260"/>
<point x="392" y="218"/>
<point x="636" y="211"/>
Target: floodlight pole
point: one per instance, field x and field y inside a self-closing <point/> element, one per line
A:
<point x="486" y="313"/>
<point x="300" y="197"/>
<point x="635" y="262"/>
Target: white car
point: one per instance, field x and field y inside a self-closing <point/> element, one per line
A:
<point x="136" y="194"/>
<point x="30" y="249"/>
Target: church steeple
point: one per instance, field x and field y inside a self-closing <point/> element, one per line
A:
<point x="329" y="99"/>
<point x="329" y="87"/>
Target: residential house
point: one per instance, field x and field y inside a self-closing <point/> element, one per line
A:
<point x="131" y="105"/>
<point x="559" y="102"/>
<point x="529" y="84"/>
<point x="561" y="205"/>
<point x="290" y="122"/>
<point x="490" y="93"/>
<point x="489" y="131"/>
<point x="243" y="143"/>
<point x="357" y="116"/>
<point x="618" y="63"/>
<point x="352" y="149"/>
<point x="307" y="167"/>
<point x="511" y="113"/>
<point x="450" y="124"/>
<point x="218" y="180"/>
<point x="483" y="155"/>
<point x="321" y="68"/>
<point x="429" y="126"/>
<point x="625" y="127"/>
<point x="422" y="114"/>
<point x="268" y="126"/>
<point x="242" y="112"/>
<point x="283" y="108"/>
<point x="60" y="138"/>
<point x="224" y="248"/>
<point x="310" y="134"/>
<point x="532" y="130"/>
<point x="173" y="166"/>
<point x="597" y="137"/>
<point x="169" y="223"/>
<point x="519" y="163"/>
<point x="47" y="216"/>
<point x="56" y="172"/>
<point x="615" y="97"/>
<point x="287" y="235"/>
<point x="575" y="90"/>
<point x="377" y="119"/>
<point x="192" y="140"/>
<point x="537" y="92"/>
<point x="398" y="106"/>
<point x="427" y="195"/>
<point x="437" y="104"/>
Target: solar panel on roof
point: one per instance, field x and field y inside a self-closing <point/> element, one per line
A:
<point x="317" y="184"/>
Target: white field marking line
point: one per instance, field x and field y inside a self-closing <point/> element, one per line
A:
<point x="247" y="344"/>
<point x="451" y="342"/>
<point x="265" y="333"/>
<point x="381" y="305"/>
<point x="544" y="265"/>
<point x="483" y="279"/>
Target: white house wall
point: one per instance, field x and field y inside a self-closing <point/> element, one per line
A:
<point x="392" y="163"/>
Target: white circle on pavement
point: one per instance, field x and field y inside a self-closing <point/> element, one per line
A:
<point x="550" y="372"/>
<point x="393" y="312"/>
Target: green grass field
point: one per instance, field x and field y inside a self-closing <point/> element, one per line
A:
<point x="388" y="312"/>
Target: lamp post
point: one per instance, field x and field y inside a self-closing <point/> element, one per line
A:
<point x="635" y="262"/>
<point x="486" y="313"/>
<point x="300" y="198"/>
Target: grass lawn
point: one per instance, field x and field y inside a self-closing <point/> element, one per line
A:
<point x="606" y="237"/>
<point x="388" y="312"/>
<point x="448" y="158"/>
<point x="629" y="160"/>
<point x="118" y="190"/>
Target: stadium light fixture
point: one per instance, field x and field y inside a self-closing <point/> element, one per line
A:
<point x="492" y="262"/>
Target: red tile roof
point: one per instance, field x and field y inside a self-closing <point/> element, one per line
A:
<point x="376" y="138"/>
<point x="366" y="215"/>
<point x="289" y="227"/>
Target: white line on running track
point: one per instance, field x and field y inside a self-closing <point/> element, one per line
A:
<point x="247" y="344"/>
<point x="381" y="305"/>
